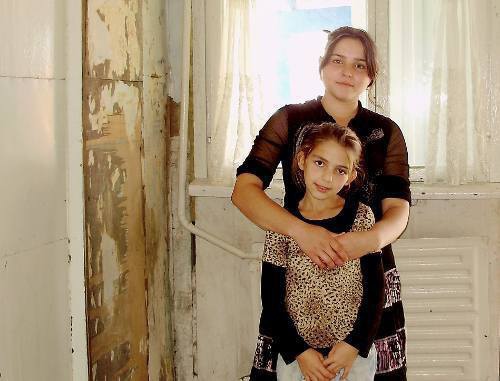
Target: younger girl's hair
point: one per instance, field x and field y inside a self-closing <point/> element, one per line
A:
<point x="357" y="34"/>
<point x="310" y="135"/>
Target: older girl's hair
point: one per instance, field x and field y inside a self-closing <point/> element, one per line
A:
<point x="310" y="135"/>
<point x="358" y="34"/>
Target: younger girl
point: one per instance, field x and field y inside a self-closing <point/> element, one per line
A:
<point x="321" y="321"/>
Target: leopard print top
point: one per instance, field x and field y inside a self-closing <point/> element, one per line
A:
<point x="322" y="303"/>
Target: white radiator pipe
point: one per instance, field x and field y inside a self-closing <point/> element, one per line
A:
<point x="186" y="64"/>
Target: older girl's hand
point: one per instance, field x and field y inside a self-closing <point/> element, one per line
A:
<point x="356" y="244"/>
<point x="320" y="245"/>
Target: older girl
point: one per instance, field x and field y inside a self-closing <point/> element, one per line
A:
<point x="347" y="69"/>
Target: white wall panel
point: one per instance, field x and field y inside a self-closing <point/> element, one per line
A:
<point x="227" y="294"/>
<point x="35" y="330"/>
<point x="35" y="320"/>
<point x="33" y="38"/>
<point x="33" y="163"/>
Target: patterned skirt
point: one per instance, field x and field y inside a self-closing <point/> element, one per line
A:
<point x="391" y="338"/>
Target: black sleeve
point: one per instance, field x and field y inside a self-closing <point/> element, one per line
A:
<point x="275" y="320"/>
<point x="267" y="148"/>
<point x="394" y="181"/>
<point x="370" y="310"/>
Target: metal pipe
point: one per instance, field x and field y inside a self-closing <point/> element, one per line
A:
<point x="186" y="56"/>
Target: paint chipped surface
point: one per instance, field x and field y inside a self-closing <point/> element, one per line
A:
<point x="126" y="145"/>
<point x="114" y="40"/>
<point x="155" y="176"/>
<point x="120" y="97"/>
<point x="115" y="233"/>
<point x="113" y="364"/>
<point x="110" y="269"/>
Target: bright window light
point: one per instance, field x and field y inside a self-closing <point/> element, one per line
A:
<point x="292" y="43"/>
<point x="318" y="4"/>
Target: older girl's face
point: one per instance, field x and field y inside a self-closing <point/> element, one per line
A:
<point x="345" y="76"/>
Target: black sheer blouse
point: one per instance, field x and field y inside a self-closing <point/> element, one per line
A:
<point x="384" y="160"/>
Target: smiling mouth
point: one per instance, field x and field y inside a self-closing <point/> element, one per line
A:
<point x="321" y="188"/>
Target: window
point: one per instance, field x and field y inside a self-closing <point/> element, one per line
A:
<point x="250" y="61"/>
<point x="292" y="49"/>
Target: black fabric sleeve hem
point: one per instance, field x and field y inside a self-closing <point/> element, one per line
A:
<point x="275" y="320"/>
<point x="290" y="354"/>
<point x="255" y="167"/>
<point x="370" y="310"/>
<point x="394" y="187"/>
<point x="262" y="375"/>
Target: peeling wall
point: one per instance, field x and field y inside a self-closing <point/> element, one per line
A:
<point x="115" y="230"/>
<point x="114" y="39"/>
<point x="126" y="142"/>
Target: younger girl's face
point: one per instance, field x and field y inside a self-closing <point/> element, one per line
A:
<point x="345" y="76"/>
<point x="327" y="169"/>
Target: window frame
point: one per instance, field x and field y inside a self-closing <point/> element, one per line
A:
<point x="200" y="142"/>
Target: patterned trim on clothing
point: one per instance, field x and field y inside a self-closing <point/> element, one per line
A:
<point x="376" y="134"/>
<point x="265" y="358"/>
<point x="391" y="352"/>
<point x="392" y="287"/>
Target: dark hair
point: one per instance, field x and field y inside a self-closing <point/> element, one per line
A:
<point x="310" y="135"/>
<point x="358" y="34"/>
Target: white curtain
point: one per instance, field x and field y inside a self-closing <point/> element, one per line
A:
<point x="237" y="92"/>
<point x="411" y="37"/>
<point x="464" y="99"/>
